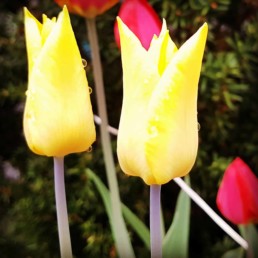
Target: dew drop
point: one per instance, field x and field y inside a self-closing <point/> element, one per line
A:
<point x="198" y="126"/>
<point x="166" y="97"/>
<point x="90" y="90"/>
<point x="30" y="117"/>
<point x="90" y="149"/>
<point x="146" y="81"/>
<point x="156" y="118"/>
<point x="84" y="63"/>
<point x="30" y="93"/>
<point x="153" y="131"/>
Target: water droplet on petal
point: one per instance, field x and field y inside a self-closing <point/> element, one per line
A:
<point x="198" y="126"/>
<point x="90" y="90"/>
<point x="84" y="63"/>
<point x="153" y="131"/>
<point x="30" y="93"/>
<point x="30" y="116"/>
<point x="166" y="97"/>
<point x="146" y="81"/>
<point x="90" y="149"/>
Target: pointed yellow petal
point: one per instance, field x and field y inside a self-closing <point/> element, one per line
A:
<point x="58" y="117"/>
<point x="135" y="61"/>
<point x="158" y="134"/>
<point x="48" y="25"/>
<point x="33" y="37"/>
<point x="162" y="49"/>
<point x="172" y="142"/>
<point x="140" y="76"/>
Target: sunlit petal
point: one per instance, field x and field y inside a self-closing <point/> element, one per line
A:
<point x="158" y="131"/>
<point x="58" y="117"/>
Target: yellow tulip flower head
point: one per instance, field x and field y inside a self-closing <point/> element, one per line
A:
<point x="158" y="130"/>
<point x="58" y="117"/>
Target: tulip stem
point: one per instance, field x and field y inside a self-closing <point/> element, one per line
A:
<point x="120" y="233"/>
<point x="197" y="199"/>
<point x="214" y="216"/>
<point x="155" y="222"/>
<point x="246" y="232"/>
<point x="61" y="209"/>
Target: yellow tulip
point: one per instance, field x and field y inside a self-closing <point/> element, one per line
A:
<point x="58" y="117"/>
<point x="158" y="130"/>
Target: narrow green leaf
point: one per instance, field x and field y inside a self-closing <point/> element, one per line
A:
<point x="137" y="225"/>
<point x="249" y="232"/>
<point x="104" y="193"/>
<point x="175" y="243"/>
<point x="235" y="253"/>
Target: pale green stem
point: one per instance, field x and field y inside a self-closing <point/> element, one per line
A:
<point x="214" y="216"/>
<point x="122" y="241"/>
<point x="244" y="229"/>
<point x="155" y="219"/>
<point x="61" y="209"/>
<point x="198" y="200"/>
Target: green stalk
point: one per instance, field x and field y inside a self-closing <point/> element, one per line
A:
<point x="199" y="201"/>
<point x="121" y="237"/>
<point x="211" y="213"/>
<point x="246" y="232"/>
<point x="61" y="209"/>
<point x="155" y="222"/>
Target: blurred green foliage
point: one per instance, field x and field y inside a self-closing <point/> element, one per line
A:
<point x="227" y="111"/>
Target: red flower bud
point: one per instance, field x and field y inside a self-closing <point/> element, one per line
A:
<point x="87" y="8"/>
<point x="141" y="19"/>
<point x="237" y="197"/>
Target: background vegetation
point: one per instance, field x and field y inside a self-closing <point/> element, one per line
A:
<point x="227" y="111"/>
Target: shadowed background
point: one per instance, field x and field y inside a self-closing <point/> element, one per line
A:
<point x="227" y="112"/>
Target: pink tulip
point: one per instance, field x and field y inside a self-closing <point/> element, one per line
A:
<point x="141" y="19"/>
<point x="237" y="197"/>
<point x="87" y="8"/>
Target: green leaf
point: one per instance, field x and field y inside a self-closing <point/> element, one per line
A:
<point x="175" y="243"/>
<point x="235" y="253"/>
<point x="137" y="225"/>
<point x="104" y="193"/>
<point x="249" y="232"/>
